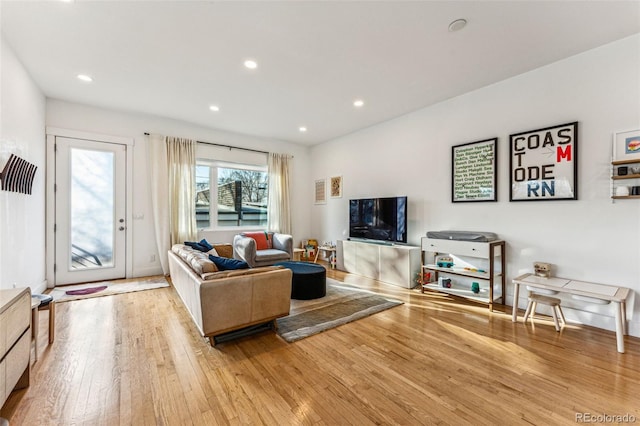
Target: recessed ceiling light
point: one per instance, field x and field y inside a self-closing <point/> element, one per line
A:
<point x="457" y="25"/>
<point x="302" y="129"/>
<point x="358" y="103"/>
<point x="214" y="108"/>
<point x="251" y="64"/>
<point x="85" y="78"/>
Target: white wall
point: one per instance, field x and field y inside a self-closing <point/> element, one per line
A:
<point x="22" y="118"/>
<point x="72" y="116"/>
<point x="589" y="239"/>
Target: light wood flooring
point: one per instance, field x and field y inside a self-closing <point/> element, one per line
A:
<point x="137" y="359"/>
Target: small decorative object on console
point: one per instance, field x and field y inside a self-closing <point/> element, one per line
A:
<point x="444" y="262"/>
<point x="475" y="287"/>
<point x="444" y="282"/>
<point x="542" y="269"/>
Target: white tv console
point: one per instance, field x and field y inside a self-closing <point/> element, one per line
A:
<point x="393" y="264"/>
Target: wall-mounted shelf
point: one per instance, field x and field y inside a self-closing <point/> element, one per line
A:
<point x="625" y="197"/>
<point x="616" y="178"/>
<point x="636" y="176"/>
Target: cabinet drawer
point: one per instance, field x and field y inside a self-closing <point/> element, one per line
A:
<point x="459" y="248"/>
<point x="16" y="319"/>
<point x="17" y="361"/>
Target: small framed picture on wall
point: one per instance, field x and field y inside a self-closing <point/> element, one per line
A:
<point x="320" y="192"/>
<point x="336" y="187"/>
<point x="626" y="145"/>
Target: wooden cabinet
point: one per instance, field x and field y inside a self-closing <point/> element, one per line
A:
<point x="473" y="262"/>
<point x="15" y="340"/>
<point x="393" y="264"/>
<point x="629" y="180"/>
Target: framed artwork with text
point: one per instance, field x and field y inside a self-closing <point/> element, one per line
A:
<point x="473" y="176"/>
<point x="544" y="164"/>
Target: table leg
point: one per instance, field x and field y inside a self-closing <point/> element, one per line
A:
<point x="35" y="320"/>
<point x="317" y="253"/>
<point x="52" y="321"/>
<point x="619" y="327"/>
<point x="516" y="291"/>
<point x="623" y="310"/>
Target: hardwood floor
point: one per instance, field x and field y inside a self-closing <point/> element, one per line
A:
<point x="137" y="359"/>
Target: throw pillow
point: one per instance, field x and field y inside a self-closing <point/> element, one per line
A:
<point x="224" y="263"/>
<point x="206" y="244"/>
<point x="196" y="246"/>
<point x="264" y="240"/>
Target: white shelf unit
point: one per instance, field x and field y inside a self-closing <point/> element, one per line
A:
<point x="484" y="263"/>
<point x="393" y="264"/>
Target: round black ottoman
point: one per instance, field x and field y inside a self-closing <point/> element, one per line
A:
<point x="309" y="280"/>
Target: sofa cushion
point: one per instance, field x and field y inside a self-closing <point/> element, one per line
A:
<point x="200" y="263"/>
<point x="182" y="250"/>
<point x="238" y="272"/>
<point x="223" y="264"/>
<point x="223" y="249"/>
<point x="264" y="240"/>
<point x="271" y="255"/>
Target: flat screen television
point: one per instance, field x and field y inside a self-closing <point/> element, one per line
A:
<point x="380" y="219"/>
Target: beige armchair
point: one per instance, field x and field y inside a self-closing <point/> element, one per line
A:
<point x="262" y="249"/>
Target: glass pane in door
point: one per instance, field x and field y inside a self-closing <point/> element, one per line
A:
<point x="92" y="217"/>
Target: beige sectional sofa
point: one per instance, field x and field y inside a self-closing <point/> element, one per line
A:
<point x="224" y="301"/>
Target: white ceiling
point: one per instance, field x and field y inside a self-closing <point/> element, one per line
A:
<point x="175" y="58"/>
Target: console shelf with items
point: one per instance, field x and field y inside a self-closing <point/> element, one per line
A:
<point x="476" y="266"/>
<point x="630" y="167"/>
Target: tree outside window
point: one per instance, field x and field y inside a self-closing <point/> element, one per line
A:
<point x="241" y="196"/>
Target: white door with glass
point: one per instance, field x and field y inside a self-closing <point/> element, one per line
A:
<point x="90" y="211"/>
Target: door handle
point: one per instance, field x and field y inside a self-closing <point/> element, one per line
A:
<point x="122" y="228"/>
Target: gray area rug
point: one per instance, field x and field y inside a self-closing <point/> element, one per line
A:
<point x="113" y="287"/>
<point x="341" y="305"/>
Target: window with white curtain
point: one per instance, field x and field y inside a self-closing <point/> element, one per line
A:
<point x="231" y="195"/>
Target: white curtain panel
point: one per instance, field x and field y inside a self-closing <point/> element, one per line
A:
<point x="279" y="213"/>
<point x="181" y="160"/>
<point x="159" y="186"/>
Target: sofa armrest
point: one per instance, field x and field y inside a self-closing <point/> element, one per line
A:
<point x="283" y="242"/>
<point x="244" y="248"/>
<point x="239" y="301"/>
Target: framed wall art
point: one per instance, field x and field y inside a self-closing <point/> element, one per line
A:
<point x="473" y="176"/>
<point x="320" y="193"/>
<point x="336" y="187"/>
<point x="626" y="145"/>
<point x="544" y="164"/>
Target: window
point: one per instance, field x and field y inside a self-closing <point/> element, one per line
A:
<point x="239" y="195"/>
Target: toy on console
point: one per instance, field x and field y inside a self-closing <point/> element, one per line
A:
<point x="444" y="262"/>
<point x="542" y="269"/>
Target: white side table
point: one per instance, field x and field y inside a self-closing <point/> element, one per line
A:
<point x="329" y="250"/>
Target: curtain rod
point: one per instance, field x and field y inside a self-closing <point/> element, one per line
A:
<point x="227" y="146"/>
<point x="233" y="147"/>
